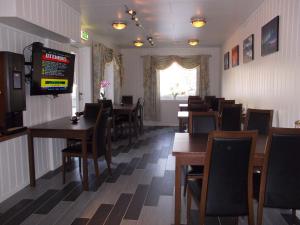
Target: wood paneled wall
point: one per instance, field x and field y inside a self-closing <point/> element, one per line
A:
<point x="13" y="153"/>
<point x="272" y="81"/>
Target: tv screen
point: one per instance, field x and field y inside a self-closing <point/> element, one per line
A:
<point x="52" y="71"/>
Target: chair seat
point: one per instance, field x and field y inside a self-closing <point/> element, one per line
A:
<point x="77" y="149"/>
<point x="195" y="187"/>
<point x="195" y="171"/>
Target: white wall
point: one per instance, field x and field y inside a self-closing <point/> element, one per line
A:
<point x="133" y="80"/>
<point x="270" y="82"/>
<point x="14" y="173"/>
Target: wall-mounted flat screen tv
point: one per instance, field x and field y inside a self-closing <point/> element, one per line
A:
<point x="52" y="71"/>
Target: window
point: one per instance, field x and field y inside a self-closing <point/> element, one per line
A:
<point x="177" y="82"/>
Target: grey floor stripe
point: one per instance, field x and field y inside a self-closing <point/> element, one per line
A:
<point x="80" y="221"/>
<point x="154" y="192"/>
<point x="290" y="220"/>
<point x="101" y="214"/>
<point x="119" y="210"/>
<point x="131" y="166"/>
<point x="136" y="205"/>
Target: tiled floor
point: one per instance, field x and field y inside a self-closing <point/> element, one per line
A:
<point x="139" y="192"/>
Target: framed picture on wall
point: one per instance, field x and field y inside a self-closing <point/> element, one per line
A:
<point x="270" y="37"/>
<point x="248" y="49"/>
<point x="226" y="61"/>
<point x="235" y="56"/>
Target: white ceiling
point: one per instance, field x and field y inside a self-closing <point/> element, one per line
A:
<point x="168" y="21"/>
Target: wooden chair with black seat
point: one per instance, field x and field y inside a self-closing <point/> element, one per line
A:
<point x="226" y="187"/>
<point x="280" y="183"/>
<point x="208" y="99"/>
<point x="127" y="99"/>
<point x="141" y="115"/>
<point x="200" y="123"/>
<point x="100" y="144"/>
<point x="215" y="103"/>
<point x="223" y="102"/>
<point x="198" y="107"/>
<point x="261" y="120"/>
<point x="107" y="104"/>
<point x="231" y="117"/>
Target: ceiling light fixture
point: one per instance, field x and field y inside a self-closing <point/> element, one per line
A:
<point x="119" y="25"/>
<point x="198" y="22"/>
<point x="138" y="43"/>
<point x="193" y="42"/>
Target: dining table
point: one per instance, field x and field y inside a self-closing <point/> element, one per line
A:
<point x="191" y="150"/>
<point x="127" y="110"/>
<point x="183" y="117"/>
<point x="61" y="128"/>
<point x="183" y="107"/>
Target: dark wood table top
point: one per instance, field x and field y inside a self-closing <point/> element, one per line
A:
<point x="65" y="124"/>
<point x="123" y="107"/>
<point x="187" y="144"/>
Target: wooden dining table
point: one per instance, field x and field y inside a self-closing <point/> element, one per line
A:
<point x="191" y="150"/>
<point x="123" y="109"/>
<point x="183" y="107"/>
<point x="183" y="117"/>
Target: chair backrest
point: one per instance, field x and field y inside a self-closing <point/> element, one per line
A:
<point x="100" y="132"/>
<point x="222" y="102"/>
<point x="280" y="184"/>
<point x="202" y="122"/>
<point x="194" y="98"/>
<point x="228" y="172"/>
<point x="107" y="104"/>
<point x="231" y="117"/>
<point x="91" y="110"/>
<point x="198" y="107"/>
<point x="127" y="99"/>
<point x="259" y="119"/>
<point x="215" y="103"/>
<point x="209" y="99"/>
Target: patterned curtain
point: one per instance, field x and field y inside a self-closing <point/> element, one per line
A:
<point x="151" y="81"/>
<point x="101" y="56"/>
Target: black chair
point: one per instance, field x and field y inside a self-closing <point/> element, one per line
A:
<point x="208" y="99"/>
<point x="198" y="107"/>
<point x="231" y="117"/>
<point x="226" y="187"/>
<point x="100" y="145"/>
<point x="259" y="119"/>
<point x="280" y="183"/>
<point x="107" y="104"/>
<point x="223" y="102"/>
<point x="200" y="123"/>
<point x="127" y="99"/>
<point x="215" y="103"/>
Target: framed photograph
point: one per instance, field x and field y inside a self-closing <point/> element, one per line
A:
<point x="248" y="49"/>
<point x="226" y="61"/>
<point x="235" y="56"/>
<point x="270" y="37"/>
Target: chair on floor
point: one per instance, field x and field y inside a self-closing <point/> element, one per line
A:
<point x="198" y="107"/>
<point x="209" y="99"/>
<point x="100" y="145"/>
<point x="231" y="117"/>
<point x="200" y="123"/>
<point x="226" y="187"/>
<point x="141" y="115"/>
<point x="259" y="119"/>
<point x="223" y="102"/>
<point x="280" y="183"/>
<point x="127" y="99"/>
<point x="107" y="104"/>
<point x="215" y="103"/>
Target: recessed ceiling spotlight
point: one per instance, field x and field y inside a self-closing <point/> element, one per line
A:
<point x="198" y="22"/>
<point x="138" y="43"/>
<point x="193" y="42"/>
<point x="119" y="25"/>
<point x="149" y="39"/>
<point x="131" y="12"/>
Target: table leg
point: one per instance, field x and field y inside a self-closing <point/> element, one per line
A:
<point x="85" y="165"/>
<point x="177" y="192"/>
<point x="114" y="127"/>
<point x="130" y="127"/>
<point x="31" y="159"/>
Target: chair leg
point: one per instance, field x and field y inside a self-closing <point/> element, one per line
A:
<point x="185" y="181"/>
<point x="96" y="166"/>
<point x="188" y="207"/>
<point x="63" y="168"/>
<point x="79" y="164"/>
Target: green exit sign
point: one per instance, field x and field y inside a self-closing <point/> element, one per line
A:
<point x="84" y="35"/>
